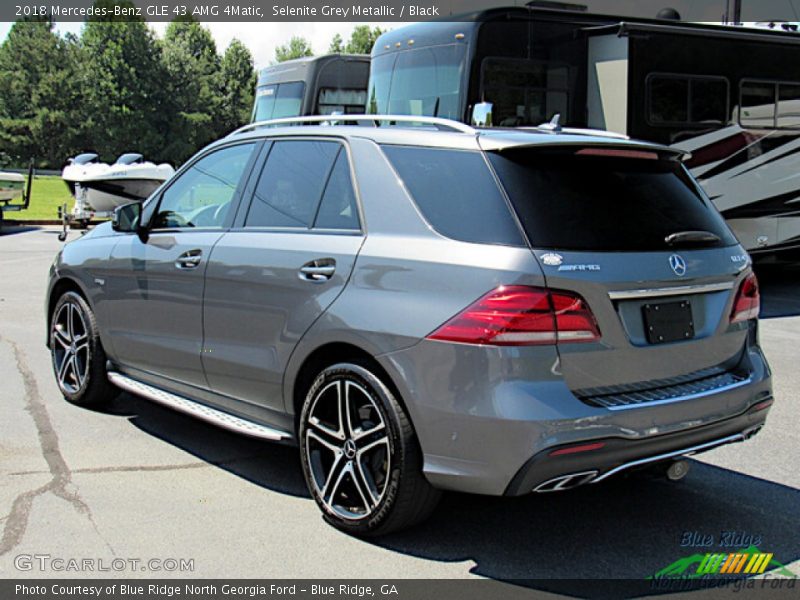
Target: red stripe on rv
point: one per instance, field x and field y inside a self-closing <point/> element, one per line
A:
<point x="722" y="149"/>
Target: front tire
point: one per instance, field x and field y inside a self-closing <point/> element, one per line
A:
<point x="361" y="459"/>
<point x="79" y="362"/>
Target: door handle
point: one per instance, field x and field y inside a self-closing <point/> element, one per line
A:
<point x="318" y="271"/>
<point x="189" y="260"/>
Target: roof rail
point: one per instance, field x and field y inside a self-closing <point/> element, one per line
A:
<point x="437" y="122"/>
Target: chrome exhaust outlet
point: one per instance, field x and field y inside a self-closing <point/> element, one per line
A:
<point x="677" y="470"/>
<point x="565" y="482"/>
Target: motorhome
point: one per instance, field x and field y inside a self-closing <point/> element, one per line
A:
<point x="321" y="85"/>
<point x="726" y="94"/>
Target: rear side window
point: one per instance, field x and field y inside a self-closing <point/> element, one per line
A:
<point x="456" y="193"/>
<point x="291" y="184"/>
<point x="599" y="203"/>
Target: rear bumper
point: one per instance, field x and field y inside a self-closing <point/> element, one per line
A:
<point x="546" y="472"/>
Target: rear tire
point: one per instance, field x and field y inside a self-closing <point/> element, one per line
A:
<point x="79" y="362"/>
<point x="361" y="458"/>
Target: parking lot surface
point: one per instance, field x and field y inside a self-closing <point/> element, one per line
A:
<point x="138" y="482"/>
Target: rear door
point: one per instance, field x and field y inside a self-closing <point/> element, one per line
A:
<point x="599" y="221"/>
<point x="287" y="258"/>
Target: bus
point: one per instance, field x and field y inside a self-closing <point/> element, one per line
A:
<point x="729" y="95"/>
<point x="319" y="85"/>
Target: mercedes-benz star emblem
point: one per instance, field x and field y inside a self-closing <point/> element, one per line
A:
<point x="678" y="265"/>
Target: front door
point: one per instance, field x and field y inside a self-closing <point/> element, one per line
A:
<point x="156" y="283"/>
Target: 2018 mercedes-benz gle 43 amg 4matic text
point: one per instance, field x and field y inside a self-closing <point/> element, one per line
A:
<point x="421" y="306"/>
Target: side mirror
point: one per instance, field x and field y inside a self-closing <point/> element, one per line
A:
<point x="126" y="217"/>
<point x="482" y="114"/>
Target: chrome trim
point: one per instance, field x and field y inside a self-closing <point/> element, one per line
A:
<point x="703" y="288"/>
<point x="198" y="410"/>
<point x="719" y="390"/>
<point x="561" y="483"/>
<point x="437" y="122"/>
<point x="739" y="437"/>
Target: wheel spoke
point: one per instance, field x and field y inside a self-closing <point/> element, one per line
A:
<point x="70" y="322"/>
<point x="361" y="434"/>
<point x="384" y="440"/>
<point x="62" y="368"/>
<point x="360" y="484"/>
<point x="319" y="439"/>
<point x="60" y="337"/>
<point x="336" y="475"/>
<point x="365" y="482"/>
<point x="80" y="375"/>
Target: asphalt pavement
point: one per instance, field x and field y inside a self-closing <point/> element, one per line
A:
<point x="138" y="482"/>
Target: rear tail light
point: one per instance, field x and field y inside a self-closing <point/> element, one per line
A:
<point x="522" y="316"/>
<point x="747" y="302"/>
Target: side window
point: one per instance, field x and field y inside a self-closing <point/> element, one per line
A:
<point x="202" y="195"/>
<point x="338" y="208"/>
<point x="291" y="183"/>
<point x="687" y="100"/>
<point x="456" y="193"/>
<point x="770" y="105"/>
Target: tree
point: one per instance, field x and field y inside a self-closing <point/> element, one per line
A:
<point x="124" y="86"/>
<point x="362" y="39"/>
<point x="297" y="47"/>
<point x="337" y="45"/>
<point x="193" y="83"/>
<point x="237" y="86"/>
<point x="38" y="93"/>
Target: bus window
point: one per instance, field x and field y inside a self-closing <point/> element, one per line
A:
<point x="278" y="100"/>
<point x="424" y="81"/>
<point x="680" y="100"/>
<point x="525" y="92"/>
<point x="342" y="101"/>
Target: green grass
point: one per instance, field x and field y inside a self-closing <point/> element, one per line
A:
<point x="48" y="192"/>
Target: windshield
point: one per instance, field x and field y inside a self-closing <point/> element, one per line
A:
<point x="600" y="200"/>
<point x="424" y="82"/>
<point x="278" y="100"/>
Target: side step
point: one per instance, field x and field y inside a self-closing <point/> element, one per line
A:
<point x="197" y="410"/>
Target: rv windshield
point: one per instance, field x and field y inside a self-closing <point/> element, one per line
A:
<point x="423" y="81"/>
<point x="278" y="100"/>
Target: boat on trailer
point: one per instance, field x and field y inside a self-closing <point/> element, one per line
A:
<point x="99" y="188"/>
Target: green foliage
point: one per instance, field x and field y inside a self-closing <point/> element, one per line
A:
<point x="362" y="39"/>
<point x="118" y="89"/>
<point x="337" y="45"/>
<point x="297" y="47"/>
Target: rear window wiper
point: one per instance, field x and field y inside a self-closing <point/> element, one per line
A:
<point x="692" y="237"/>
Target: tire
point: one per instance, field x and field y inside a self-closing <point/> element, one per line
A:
<point x="79" y="362"/>
<point x="365" y="473"/>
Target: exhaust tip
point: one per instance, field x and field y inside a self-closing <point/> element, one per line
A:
<point x="678" y="470"/>
<point x="566" y="482"/>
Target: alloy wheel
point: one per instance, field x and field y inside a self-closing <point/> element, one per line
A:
<point x="349" y="449"/>
<point x="70" y="348"/>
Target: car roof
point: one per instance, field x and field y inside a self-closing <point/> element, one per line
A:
<point x="465" y="138"/>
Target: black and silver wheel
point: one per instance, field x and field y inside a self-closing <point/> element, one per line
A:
<point x="78" y="356"/>
<point x="360" y="456"/>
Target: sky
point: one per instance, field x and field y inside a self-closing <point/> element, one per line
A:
<point x="260" y="38"/>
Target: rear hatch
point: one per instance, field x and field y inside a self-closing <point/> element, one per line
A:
<point x="630" y="232"/>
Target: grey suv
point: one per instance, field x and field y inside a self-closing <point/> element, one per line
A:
<point x="423" y="306"/>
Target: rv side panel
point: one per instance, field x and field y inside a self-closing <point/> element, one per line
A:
<point x="607" y="87"/>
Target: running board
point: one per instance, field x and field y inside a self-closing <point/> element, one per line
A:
<point x="198" y="410"/>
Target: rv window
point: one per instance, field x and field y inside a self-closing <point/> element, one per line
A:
<point x="788" y="105"/>
<point x="758" y="105"/>
<point x="770" y="104"/>
<point x="278" y="100"/>
<point x="341" y="100"/>
<point x="687" y="100"/>
<point x="591" y="203"/>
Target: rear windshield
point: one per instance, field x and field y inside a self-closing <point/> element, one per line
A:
<point x="570" y="201"/>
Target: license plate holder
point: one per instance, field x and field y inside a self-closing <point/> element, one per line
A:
<point x="668" y="321"/>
